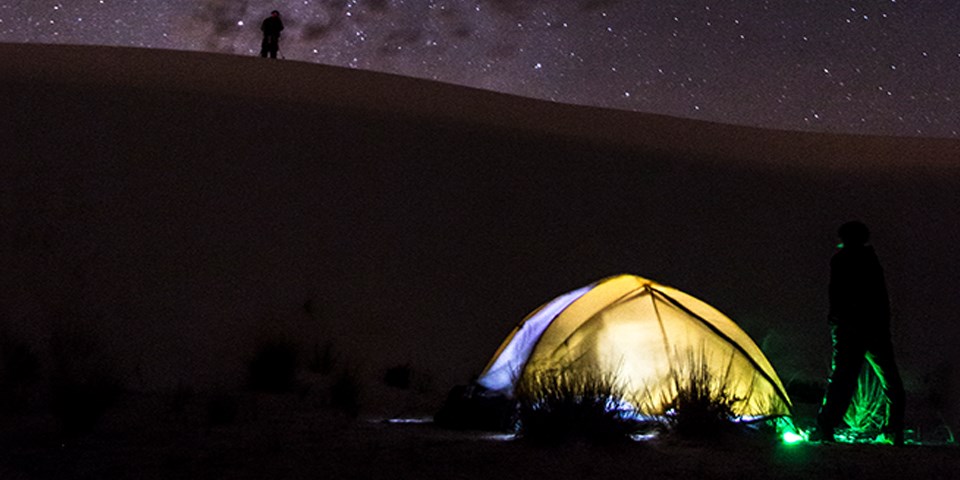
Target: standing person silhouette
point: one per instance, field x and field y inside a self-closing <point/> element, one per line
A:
<point x="271" y="27"/>
<point x="860" y="324"/>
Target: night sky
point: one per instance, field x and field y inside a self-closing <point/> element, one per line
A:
<point x="888" y="67"/>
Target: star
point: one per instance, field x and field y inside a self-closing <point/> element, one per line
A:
<point x="882" y="68"/>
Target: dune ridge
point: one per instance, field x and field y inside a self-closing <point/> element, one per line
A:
<point x="302" y="83"/>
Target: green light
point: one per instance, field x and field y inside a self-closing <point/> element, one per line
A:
<point x="792" y="437"/>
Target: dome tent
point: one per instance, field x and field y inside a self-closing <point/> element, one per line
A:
<point x="648" y="337"/>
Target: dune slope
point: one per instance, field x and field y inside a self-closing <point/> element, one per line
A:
<point x="178" y="208"/>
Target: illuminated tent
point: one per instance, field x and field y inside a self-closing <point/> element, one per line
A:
<point x="646" y="335"/>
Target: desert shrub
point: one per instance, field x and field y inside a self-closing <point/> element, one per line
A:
<point x="557" y="406"/>
<point x="869" y="406"/>
<point x="19" y="371"/>
<point x="345" y="393"/>
<point x="78" y="404"/>
<point x="19" y="365"/>
<point x="85" y="382"/>
<point x="398" y="377"/>
<point x="323" y="359"/>
<point x="222" y="409"/>
<point x="273" y="368"/>
<point x="472" y="407"/>
<point x="943" y="434"/>
<point x="699" y="404"/>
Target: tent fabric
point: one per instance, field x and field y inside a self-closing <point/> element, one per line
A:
<point x="646" y="335"/>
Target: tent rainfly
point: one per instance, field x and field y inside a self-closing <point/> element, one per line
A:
<point x="647" y="336"/>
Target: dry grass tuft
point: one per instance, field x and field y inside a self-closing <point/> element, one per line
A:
<point x="699" y="404"/>
<point x="556" y="406"/>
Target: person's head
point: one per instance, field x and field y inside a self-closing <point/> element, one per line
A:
<point x="853" y="234"/>
<point x="274" y="13"/>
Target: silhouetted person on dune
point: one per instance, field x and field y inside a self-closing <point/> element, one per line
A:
<point x="271" y="28"/>
<point x="860" y="323"/>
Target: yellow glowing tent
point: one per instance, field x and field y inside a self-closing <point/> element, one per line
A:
<point x="647" y="336"/>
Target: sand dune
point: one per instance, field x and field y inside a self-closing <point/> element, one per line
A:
<point x="308" y="84"/>
<point x="174" y="209"/>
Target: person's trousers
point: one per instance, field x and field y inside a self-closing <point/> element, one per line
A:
<point x="270" y="45"/>
<point x="850" y="349"/>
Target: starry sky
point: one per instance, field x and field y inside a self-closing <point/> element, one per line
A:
<point x="886" y="67"/>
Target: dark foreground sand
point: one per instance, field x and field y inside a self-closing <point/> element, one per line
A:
<point x="281" y="437"/>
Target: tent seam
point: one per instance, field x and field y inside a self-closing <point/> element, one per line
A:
<point x="782" y="394"/>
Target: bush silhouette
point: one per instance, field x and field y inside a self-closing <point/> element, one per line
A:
<point x="398" y="377"/>
<point x="345" y="394"/>
<point x="556" y="406"/>
<point x="323" y="359"/>
<point x="79" y="405"/>
<point x="19" y="372"/>
<point x="222" y="409"/>
<point x="274" y="368"/>
<point x="692" y="402"/>
<point x="85" y="382"/>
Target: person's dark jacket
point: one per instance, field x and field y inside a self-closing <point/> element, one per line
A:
<point x="858" y="291"/>
<point x="272" y="27"/>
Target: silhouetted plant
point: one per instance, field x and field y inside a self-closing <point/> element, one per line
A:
<point x="556" y="406"/>
<point x="697" y="403"/>
<point x="345" y="394"/>
<point x="274" y="368"/>
<point x="84" y="383"/>
<point x="19" y="370"/>
<point x="472" y="407"/>
<point x="398" y="377"/>
<point x="79" y="404"/>
<point x="869" y="406"/>
<point x="323" y="360"/>
<point x="222" y="409"/>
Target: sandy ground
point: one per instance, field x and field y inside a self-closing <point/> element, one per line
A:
<point x="281" y="437"/>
